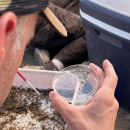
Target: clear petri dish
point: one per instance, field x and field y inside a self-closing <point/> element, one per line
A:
<point x="76" y="81"/>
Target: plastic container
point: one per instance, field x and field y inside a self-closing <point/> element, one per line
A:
<point x="107" y="27"/>
<point x="76" y="83"/>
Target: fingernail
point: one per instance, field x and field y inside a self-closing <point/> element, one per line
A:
<point x="107" y="60"/>
<point x="90" y="64"/>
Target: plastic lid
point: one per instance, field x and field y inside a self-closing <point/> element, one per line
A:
<point x="119" y="6"/>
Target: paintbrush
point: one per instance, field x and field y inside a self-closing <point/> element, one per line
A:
<point x="27" y="82"/>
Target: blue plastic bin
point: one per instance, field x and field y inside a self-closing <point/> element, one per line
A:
<point x="107" y="28"/>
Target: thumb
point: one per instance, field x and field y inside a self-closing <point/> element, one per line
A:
<point x="59" y="103"/>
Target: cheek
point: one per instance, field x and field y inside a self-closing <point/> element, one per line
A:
<point x="30" y="31"/>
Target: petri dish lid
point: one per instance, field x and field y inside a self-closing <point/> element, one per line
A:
<point x="67" y="80"/>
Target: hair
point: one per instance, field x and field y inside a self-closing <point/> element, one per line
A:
<point x="19" y="32"/>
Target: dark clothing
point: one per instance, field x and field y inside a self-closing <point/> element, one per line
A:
<point x="75" y="50"/>
<point x="70" y="5"/>
<point x="73" y="53"/>
<point x="47" y="37"/>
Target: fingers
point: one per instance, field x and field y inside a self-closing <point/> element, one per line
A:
<point x="105" y="94"/>
<point x="110" y="81"/>
<point x="104" y="97"/>
<point x="60" y="104"/>
<point x="100" y="73"/>
<point x="107" y="79"/>
<point x="108" y="68"/>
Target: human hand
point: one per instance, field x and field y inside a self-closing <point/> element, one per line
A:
<point x="99" y="113"/>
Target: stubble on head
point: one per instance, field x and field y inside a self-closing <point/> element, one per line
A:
<point x="7" y="73"/>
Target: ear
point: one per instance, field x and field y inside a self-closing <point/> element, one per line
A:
<point x="7" y="25"/>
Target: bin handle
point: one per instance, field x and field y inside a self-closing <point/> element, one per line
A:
<point x="114" y="41"/>
<point x="111" y="40"/>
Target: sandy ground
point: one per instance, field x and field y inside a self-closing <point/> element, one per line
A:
<point x="123" y="118"/>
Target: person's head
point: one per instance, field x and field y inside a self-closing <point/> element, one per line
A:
<point x="17" y="27"/>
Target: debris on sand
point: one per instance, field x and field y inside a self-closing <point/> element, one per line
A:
<point x="25" y="110"/>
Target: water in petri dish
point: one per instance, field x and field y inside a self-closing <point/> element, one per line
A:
<point x="66" y="93"/>
<point x="87" y="88"/>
